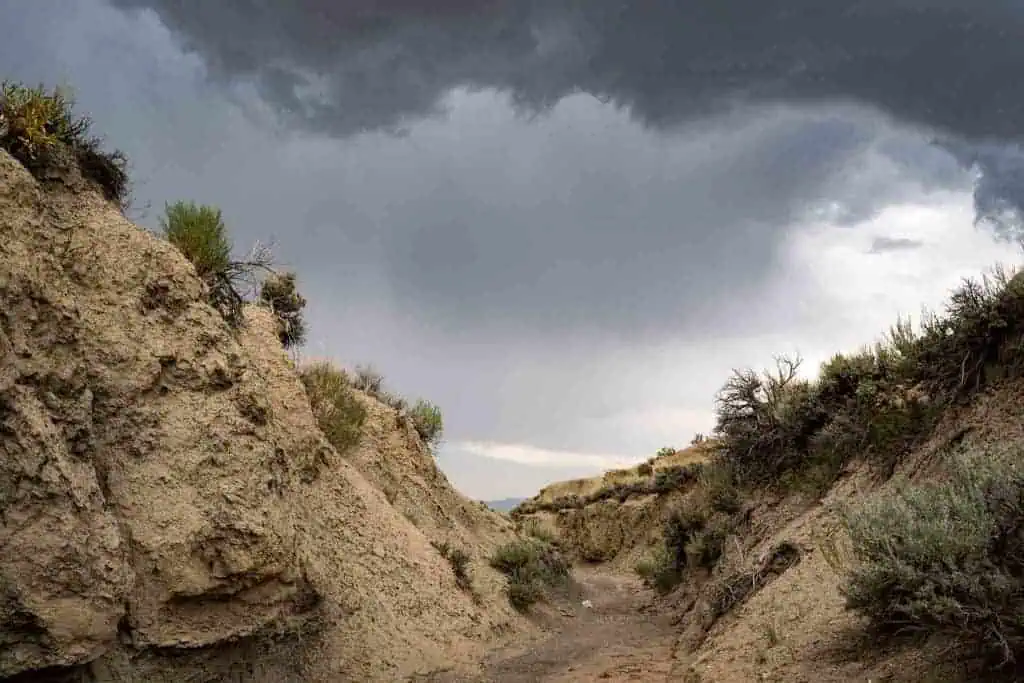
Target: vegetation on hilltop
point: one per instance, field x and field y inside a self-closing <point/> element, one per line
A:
<point x="40" y="129"/>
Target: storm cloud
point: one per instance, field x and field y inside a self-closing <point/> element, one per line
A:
<point x="344" y="66"/>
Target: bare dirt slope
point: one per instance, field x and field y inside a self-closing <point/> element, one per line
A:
<point x="169" y="510"/>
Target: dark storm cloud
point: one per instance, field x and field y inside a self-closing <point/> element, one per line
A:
<point x="343" y="66"/>
<point x="944" y="63"/>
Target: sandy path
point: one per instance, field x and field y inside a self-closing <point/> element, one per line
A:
<point x="618" y="639"/>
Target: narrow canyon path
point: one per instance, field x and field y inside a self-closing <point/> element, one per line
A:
<point x="618" y="639"/>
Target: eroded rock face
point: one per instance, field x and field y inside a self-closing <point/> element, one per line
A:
<point x="140" y="484"/>
<point x="169" y="510"/>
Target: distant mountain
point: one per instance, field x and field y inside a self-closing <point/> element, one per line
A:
<point x="505" y="504"/>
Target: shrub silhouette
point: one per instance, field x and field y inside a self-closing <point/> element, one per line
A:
<point x="40" y="129"/>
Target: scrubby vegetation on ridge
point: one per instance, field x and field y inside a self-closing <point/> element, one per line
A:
<point x="40" y="129"/>
<point x="338" y="412"/>
<point x="199" y="232"/>
<point x="776" y="428"/>
<point x="942" y="558"/>
<point x="424" y="416"/>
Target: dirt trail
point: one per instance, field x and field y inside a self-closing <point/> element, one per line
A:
<point x="618" y="639"/>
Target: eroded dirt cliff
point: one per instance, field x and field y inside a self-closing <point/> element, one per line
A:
<point x="169" y="510"/>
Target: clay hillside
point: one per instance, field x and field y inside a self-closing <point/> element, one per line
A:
<point x="180" y="501"/>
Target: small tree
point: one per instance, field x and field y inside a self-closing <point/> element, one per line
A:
<point x="279" y="293"/>
<point x="428" y="423"/>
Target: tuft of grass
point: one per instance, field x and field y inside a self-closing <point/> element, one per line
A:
<point x="532" y="566"/>
<point x="945" y="558"/>
<point x="279" y="293"/>
<point x="459" y="560"/>
<point x="39" y="129"/>
<point x="338" y="412"/>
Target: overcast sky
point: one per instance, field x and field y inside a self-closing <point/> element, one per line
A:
<point x="566" y="221"/>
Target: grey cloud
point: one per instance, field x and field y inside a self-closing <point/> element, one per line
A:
<point x="943" y="63"/>
<point x="882" y="245"/>
<point x="343" y="67"/>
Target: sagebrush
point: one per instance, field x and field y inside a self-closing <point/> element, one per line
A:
<point x="199" y="232"/>
<point x="945" y="557"/>
<point x="878" y="403"/>
<point x="338" y="412"/>
<point x="280" y="294"/>
<point x="532" y="566"/>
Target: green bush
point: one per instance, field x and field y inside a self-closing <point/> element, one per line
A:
<point x="39" y="129"/>
<point x="531" y="566"/>
<point x="338" y="412"/>
<point x="428" y="423"/>
<point x="945" y="558"/>
<point x="279" y="293"/>
<point x="657" y="571"/>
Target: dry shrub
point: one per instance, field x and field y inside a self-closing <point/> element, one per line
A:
<point x="338" y="412"/>
<point x="945" y="558"/>
<point x="279" y="293"/>
<point x="40" y="129"/>
<point x="532" y="566"/>
<point x="459" y="561"/>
